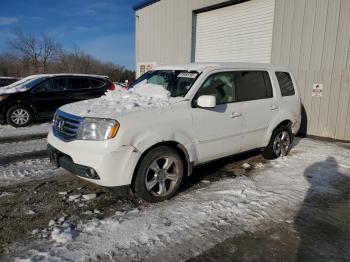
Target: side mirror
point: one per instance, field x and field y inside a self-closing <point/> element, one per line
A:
<point x="206" y="101"/>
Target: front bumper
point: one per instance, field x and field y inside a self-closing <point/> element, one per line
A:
<point x="60" y="159"/>
<point x="99" y="162"/>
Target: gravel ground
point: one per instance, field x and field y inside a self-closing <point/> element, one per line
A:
<point x="43" y="194"/>
<point x="35" y="197"/>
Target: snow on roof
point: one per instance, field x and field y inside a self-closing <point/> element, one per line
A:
<point x="69" y="74"/>
<point x="200" y="67"/>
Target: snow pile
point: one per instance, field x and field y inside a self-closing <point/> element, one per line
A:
<point x="151" y="90"/>
<point x="63" y="234"/>
<point x="141" y="97"/>
<point x="197" y="220"/>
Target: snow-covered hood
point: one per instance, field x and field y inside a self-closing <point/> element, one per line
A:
<point x="18" y="86"/>
<point x="120" y="102"/>
<point x="7" y="90"/>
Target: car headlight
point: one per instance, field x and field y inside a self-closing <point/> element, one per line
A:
<point x="98" y="129"/>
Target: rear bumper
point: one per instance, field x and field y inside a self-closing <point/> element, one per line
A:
<point x="296" y="124"/>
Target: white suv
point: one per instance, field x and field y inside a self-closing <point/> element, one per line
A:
<point x="149" y="137"/>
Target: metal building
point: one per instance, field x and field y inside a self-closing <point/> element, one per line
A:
<point x="312" y="37"/>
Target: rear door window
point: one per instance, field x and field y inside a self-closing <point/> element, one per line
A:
<point x="80" y="83"/>
<point x="252" y="85"/>
<point x="60" y="84"/>
<point x="286" y="84"/>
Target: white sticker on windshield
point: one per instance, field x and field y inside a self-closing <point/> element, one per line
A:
<point x="187" y="75"/>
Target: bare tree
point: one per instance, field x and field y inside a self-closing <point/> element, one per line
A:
<point x="50" y="50"/>
<point x="41" y="54"/>
<point x="38" y="50"/>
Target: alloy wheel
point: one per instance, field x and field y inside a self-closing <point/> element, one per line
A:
<point x="162" y="176"/>
<point x="281" y="144"/>
<point x="20" y="116"/>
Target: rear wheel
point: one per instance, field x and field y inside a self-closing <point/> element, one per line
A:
<point x="19" y="116"/>
<point x="159" y="175"/>
<point x="280" y="143"/>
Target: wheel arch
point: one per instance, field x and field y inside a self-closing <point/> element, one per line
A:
<point x="21" y="103"/>
<point x="276" y="124"/>
<point x="180" y="148"/>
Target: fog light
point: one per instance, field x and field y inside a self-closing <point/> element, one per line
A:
<point x="91" y="173"/>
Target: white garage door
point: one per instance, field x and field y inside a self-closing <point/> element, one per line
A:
<point x="237" y="33"/>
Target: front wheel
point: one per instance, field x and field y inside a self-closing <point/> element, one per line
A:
<point x="159" y="174"/>
<point x="280" y="143"/>
<point x="19" y="116"/>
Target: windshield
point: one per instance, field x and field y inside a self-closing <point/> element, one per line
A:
<point x="27" y="82"/>
<point x="177" y="82"/>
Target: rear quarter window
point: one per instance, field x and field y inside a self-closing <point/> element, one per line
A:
<point x="286" y="84"/>
<point x="95" y="83"/>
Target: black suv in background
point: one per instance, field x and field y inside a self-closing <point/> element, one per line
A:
<point x="38" y="96"/>
<point x="4" y="81"/>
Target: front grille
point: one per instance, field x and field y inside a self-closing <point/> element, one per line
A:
<point x="66" y="126"/>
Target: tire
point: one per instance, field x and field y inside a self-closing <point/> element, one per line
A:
<point x="159" y="174"/>
<point x="280" y="143"/>
<point x="19" y="116"/>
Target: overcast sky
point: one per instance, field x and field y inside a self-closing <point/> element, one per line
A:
<point x="102" y="28"/>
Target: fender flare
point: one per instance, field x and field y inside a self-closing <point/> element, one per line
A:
<point x="275" y="123"/>
<point x="149" y="139"/>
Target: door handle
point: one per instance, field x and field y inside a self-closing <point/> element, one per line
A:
<point x="273" y="107"/>
<point x="235" y="114"/>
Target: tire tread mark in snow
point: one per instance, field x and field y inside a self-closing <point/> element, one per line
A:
<point x="32" y="169"/>
<point x="22" y="138"/>
<point x="24" y="156"/>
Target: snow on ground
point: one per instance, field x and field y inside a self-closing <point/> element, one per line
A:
<point x="194" y="221"/>
<point x="7" y="131"/>
<point x="141" y="97"/>
<point x="27" y="170"/>
<point x="9" y="149"/>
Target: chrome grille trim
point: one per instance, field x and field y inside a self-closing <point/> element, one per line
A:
<point x="66" y="126"/>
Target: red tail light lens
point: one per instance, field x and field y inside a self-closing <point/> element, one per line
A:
<point x="112" y="87"/>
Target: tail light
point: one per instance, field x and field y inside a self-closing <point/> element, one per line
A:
<point x="112" y="87"/>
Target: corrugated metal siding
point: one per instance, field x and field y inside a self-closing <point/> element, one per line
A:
<point x="312" y="38"/>
<point x="164" y="30"/>
<point x="243" y="33"/>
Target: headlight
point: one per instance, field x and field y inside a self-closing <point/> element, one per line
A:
<point x="3" y="97"/>
<point x="98" y="129"/>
